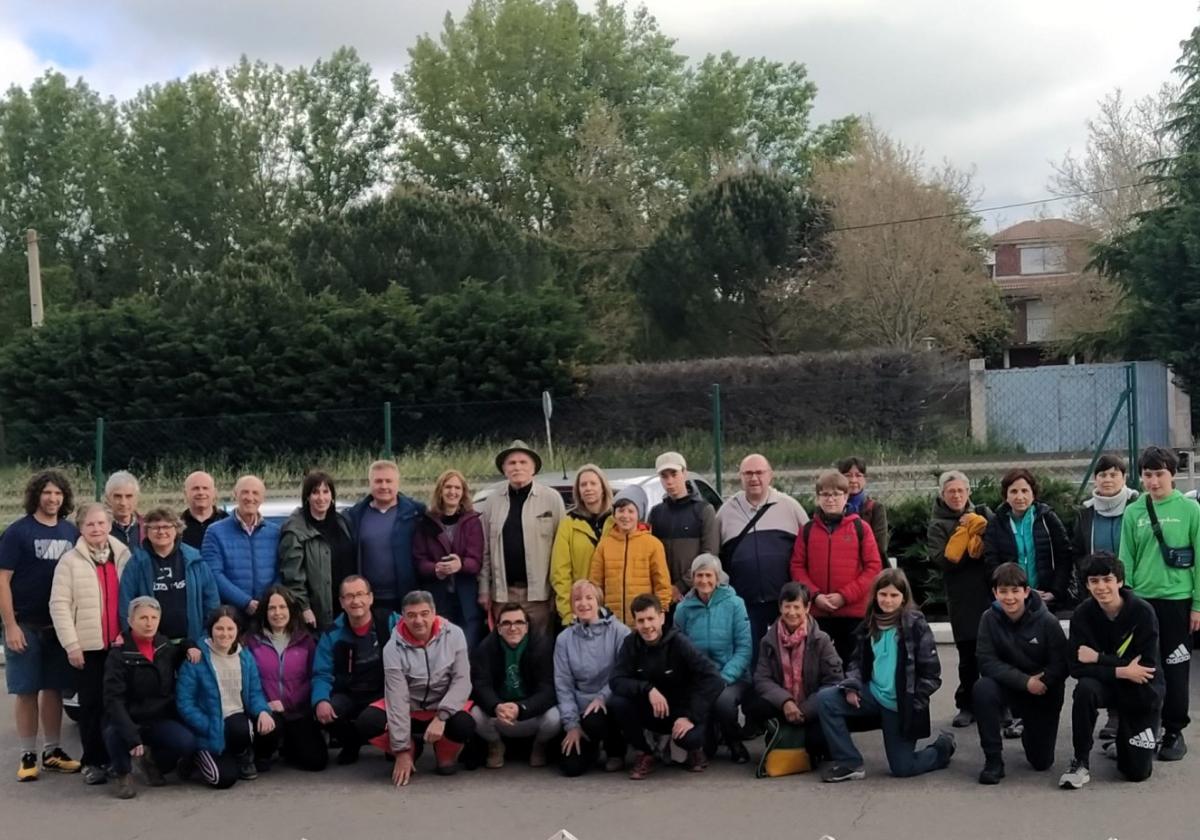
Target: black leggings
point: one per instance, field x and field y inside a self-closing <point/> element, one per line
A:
<point x="220" y="770"/>
<point x="636" y="716"/>
<point x="299" y="740"/>
<point x="598" y="727"/>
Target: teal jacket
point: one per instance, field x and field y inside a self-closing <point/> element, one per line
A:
<point x="719" y="629"/>
<point x="198" y="698"/>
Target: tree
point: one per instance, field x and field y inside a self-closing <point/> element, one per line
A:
<point x="1156" y="260"/>
<point x="725" y="274"/>
<point x="1109" y="182"/>
<point x="895" y="285"/>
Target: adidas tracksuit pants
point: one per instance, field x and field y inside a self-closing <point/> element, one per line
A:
<point x="1175" y="652"/>
<point x="1137" y="727"/>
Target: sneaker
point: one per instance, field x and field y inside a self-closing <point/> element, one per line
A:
<point x="446" y="769"/>
<point x="739" y="753"/>
<point x="125" y="787"/>
<point x="150" y="771"/>
<point x="495" y="755"/>
<point x="643" y="766"/>
<point x="1014" y="729"/>
<point x="963" y="719"/>
<point x="1110" y="750"/>
<point x="945" y="746"/>
<point x="246" y="768"/>
<point x="841" y="773"/>
<point x="614" y="763"/>
<point x="1108" y="732"/>
<point x="27" y="770"/>
<point x="992" y="772"/>
<point x="58" y="760"/>
<point x="1172" y="747"/>
<point x="1077" y="776"/>
<point x="537" y="755"/>
<point x="697" y="761"/>
<point x="94" y="775"/>
<point x="348" y="755"/>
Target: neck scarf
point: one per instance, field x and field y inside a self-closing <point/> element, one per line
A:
<point x="1111" y="506"/>
<point x="791" y="652"/>
<point x="514" y="686"/>
<point x="1023" y="536"/>
<point x="855" y="502"/>
<point x="885" y="621"/>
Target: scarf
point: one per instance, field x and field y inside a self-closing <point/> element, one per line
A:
<point x="791" y="652"/>
<point x="514" y="687"/>
<point x="856" y="501"/>
<point x="106" y="578"/>
<point x="1023" y="536"/>
<point x="1111" y="506"/>
<point x="881" y="621"/>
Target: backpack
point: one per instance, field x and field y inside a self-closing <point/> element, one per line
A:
<point x="858" y="531"/>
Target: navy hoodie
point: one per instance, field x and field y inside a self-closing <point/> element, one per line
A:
<point x="1010" y="652"/>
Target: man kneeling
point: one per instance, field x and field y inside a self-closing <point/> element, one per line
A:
<point x="512" y="672"/>
<point x="1022" y="656"/>
<point x="662" y="683"/>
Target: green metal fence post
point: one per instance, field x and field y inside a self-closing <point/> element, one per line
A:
<point x="387" y="429"/>
<point x="1131" y="390"/>
<point x="1112" y="421"/>
<point x="716" y="428"/>
<point x="98" y="465"/>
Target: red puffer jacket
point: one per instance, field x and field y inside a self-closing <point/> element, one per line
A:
<point x="843" y="559"/>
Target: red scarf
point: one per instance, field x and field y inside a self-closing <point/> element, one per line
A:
<point x="145" y="647"/>
<point x="791" y="652"/>
<point x="106" y="574"/>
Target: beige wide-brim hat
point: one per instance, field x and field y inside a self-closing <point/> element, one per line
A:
<point x="518" y="446"/>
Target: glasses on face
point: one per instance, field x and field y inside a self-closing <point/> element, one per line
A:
<point x="354" y="596"/>
<point x="752" y="473"/>
<point x="160" y="528"/>
<point x="512" y="625"/>
<point x="832" y="494"/>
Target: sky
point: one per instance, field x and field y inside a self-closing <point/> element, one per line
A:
<point x="1003" y="88"/>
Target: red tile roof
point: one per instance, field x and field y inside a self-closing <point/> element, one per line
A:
<point x="1044" y="230"/>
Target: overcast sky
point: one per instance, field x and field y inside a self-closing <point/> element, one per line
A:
<point x="1004" y="87"/>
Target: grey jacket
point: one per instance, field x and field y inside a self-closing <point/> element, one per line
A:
<point x="436" y="675"/>
<point x="540" y="516"/>
<point x="583" y="659"/>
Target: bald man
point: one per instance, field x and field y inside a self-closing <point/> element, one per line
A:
<point x="242" y="550"/>
<point x="758" y="530"/>
<point x="200" y="493"/>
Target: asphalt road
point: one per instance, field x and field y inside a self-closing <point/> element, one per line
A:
<point x="726" y="801"/>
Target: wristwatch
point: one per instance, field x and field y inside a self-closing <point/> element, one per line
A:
<point x="443" y="715"/>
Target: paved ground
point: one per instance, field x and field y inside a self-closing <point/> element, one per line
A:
<point x="727" y="801"/>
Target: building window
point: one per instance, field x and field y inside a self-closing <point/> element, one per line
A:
<point x="1044" y="259"/>
<point x="1039" y="321"/>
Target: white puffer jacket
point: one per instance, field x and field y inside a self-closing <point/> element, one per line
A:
<point x="76" y="604"/>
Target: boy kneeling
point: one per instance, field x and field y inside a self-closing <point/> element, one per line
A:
<point x="1114" y="656"/>
<point x="1022" y="655"/>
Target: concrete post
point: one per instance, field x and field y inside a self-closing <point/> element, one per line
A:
<point x="978" y="382"/>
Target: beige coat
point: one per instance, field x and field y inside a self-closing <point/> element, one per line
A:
<point x="543" y="511"/>
<point x="76" y="605"/>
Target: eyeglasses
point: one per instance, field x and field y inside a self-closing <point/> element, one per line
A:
<point x="354" y="596"/>
<point x="509" y="625"/>
<point x="831" y="494"/>
<point x="160" y="528"/>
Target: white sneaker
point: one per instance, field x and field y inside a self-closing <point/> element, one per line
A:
<point x="1076" y="776"/>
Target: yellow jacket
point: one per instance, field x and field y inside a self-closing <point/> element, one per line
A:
<point x="626" y="566"/>
<point x="571" y="559"/>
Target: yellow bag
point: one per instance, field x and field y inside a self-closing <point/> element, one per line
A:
<point x="785" y="753"/>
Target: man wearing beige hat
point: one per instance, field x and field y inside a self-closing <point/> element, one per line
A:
<point x="520" y="521"/>
<point x="683" y="521"/>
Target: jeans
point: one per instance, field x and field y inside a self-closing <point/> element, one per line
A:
<point x="1038" y="713"/>
<point x="724" y="715"/>
<point x="167" y="741"/>
<point x="904" y="759"/>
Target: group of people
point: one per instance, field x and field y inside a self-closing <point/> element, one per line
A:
<point x="208" y="644"/>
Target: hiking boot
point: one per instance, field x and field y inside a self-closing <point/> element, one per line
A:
<point x="348" y="754"/>
<point x="1110" y="750"/>
<point x="963" y="719"/>
<point x="1172" y="747"/>
<point x="125" y="788"/>
<point x="945" y="746"/>
<point x="739" y="753"/>
<point x="495" y="755"/>
<point x="1077" y="776"/>
<point x="1013" y="730"/>
<point x="150" y="771"/>
<point x="446" y="769"/>
<point x="643" y="766"/>
<point x="841" y="773"/>
<point x="58" y="761"/>
<point x="697" y="761"/>
<point x="246" y="768"/>
<point x="614" y="763"/>
<point x="27" y="770"/>
<point x="992" y="772"/>
<point x="537" y="755"/>
<point x="94" y="775"/>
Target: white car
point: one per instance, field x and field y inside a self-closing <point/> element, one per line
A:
<point x="647" y="479"/>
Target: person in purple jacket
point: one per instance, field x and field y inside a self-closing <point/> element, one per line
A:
<point x="448" y="553"/>
<point x="283" y="650"/>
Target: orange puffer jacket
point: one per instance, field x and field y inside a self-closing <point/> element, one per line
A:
<point x="628" y="565"/>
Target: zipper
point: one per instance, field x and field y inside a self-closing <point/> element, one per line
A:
<point x="828" y="557"/>
<point x="428" y="675"/>
<point x="624" y="574"/>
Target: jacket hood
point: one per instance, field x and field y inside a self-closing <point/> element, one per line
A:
<point x="599" y="626"/>
<point x="642" y="530"/>
<point x="260" y="638"/>
<point x="693" y="495"/>
<point x="722" y="593"/>
<point x="584" y="518"/>
<point x="1033" y="607"/>
<point x="298" y="524"/>
<point x="466" y="516"/>
<point x="403" y="637"/>
<point x="668" y="634"/>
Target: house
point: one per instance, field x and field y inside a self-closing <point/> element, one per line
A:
<point x="1031" y="262"/>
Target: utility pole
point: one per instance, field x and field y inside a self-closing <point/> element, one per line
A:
<point x="36" y="312"/>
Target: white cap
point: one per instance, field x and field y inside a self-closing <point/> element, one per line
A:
<point x="669" y="461"/>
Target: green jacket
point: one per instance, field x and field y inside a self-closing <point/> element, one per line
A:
<point x="306" y="565"/>
<point x="1146" y="573"/>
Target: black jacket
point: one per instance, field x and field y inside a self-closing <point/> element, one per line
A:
<point x="686" y="677"/>
<point x="918" y="671"/>
<point x="1010" y="652"/>
<point x="537" y="675"/>
<point x="967" y="582"/>
<point x="822" y="666"/>
<point x="1133" y="633"/>
<point x="687" y="528"/>
<point x="138" y="691"/>
<point x="1051" y="548"/>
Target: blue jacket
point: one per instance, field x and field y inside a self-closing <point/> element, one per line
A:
<point x="408" y="516"/>
<point x="198" y="697"/>
<point x="324" y="677"/>
<point x="202" y="596"/>
<point x="244" y="565"/>
<point x="719" y="629"/>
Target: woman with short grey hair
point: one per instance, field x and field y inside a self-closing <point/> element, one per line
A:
<point x="139" y="702"/>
